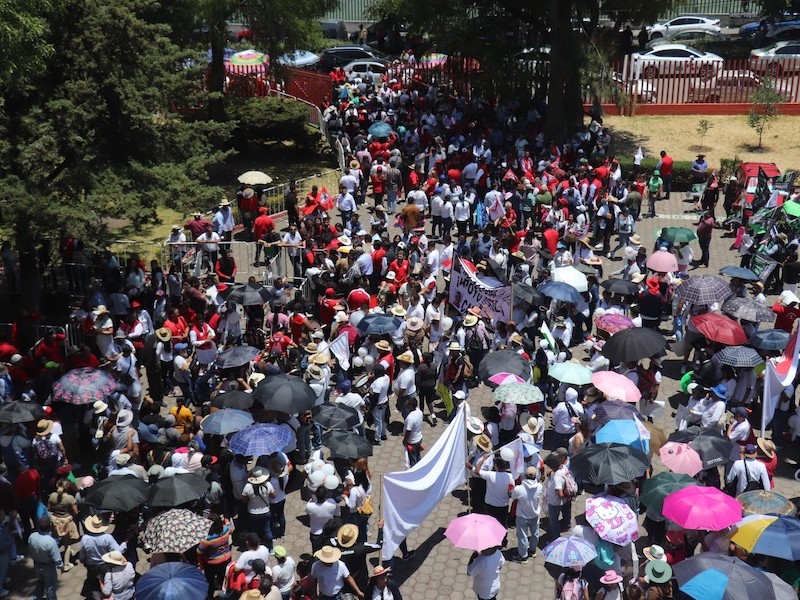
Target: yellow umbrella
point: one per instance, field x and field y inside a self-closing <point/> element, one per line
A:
<point x="747" y="531"/>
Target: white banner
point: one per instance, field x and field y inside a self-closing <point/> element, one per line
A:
<point x="466" y="291"/>
<point x="410" y="496"/>
<point x="778" y="375"/>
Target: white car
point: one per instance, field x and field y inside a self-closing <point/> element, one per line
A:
<point x="779" y="58"/>
<point x="686" y="36"/>
<point x="672" y="26"/>
<point x="373" y="68"/>
<point x="675" y="59"/>
<point x="642" y="91"/>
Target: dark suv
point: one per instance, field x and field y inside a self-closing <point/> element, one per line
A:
<point x="339" y="56"/>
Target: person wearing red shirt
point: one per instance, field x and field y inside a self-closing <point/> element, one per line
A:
<point x="262" y="225"/>
<point x="83" y="358"/>
<point x="401" y="266"/>
<point x="50" y="348"/>
<point x="177" y="326"/>
<point x="27" y="487"/>
<point x="327" y="306"/>
<point x="664" y="167"/>
<point x="550" y="236"/>
<point x="786" y="310"/>
<point x="385" y="356"/>
<point x="197" y="226"/>
<point x="357" y="298"/>
<point x="248" y="206"/>
<point x="378" y="254"/>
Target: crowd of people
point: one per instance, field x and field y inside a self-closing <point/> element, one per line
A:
<point x="434" y="184"/>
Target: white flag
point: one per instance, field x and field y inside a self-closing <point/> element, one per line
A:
<point x="410" y="496"/>
<point x="340" y="347"/>
<point x="778" y="375"/>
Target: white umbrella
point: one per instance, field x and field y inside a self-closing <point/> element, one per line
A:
<point x="255" y="178"/>
<point x="571" y="276"/>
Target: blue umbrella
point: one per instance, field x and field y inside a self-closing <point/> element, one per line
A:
<point x="227" y="420"/>
<point x="623" y="432"/>
<point x="380" y="129"/>
<point x="771" y="339"/>
<point x="560" y="291"/>
<point x="379" y="324"/>
<point x="708" y="585"/>
<point x="172" y="581"/>
<point x="739" y="273"/>
<point x="260" y="439"/>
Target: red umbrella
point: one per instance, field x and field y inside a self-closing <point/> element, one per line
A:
<point x="720" y="328"/>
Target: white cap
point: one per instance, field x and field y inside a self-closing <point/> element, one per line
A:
<point x="788" y="297"/>
<point x="543" y="344"/>
<point x="571" y="395"/>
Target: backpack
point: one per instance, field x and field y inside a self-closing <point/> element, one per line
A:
<point x="571" y="589"/>
<point x="570" y="485"/>
<point x="647" y="381"/>
<point x="474" y="342"/>
<point x="752" y="484"/>
<point x="46" y="450"/>
<point x="468" y="368"/>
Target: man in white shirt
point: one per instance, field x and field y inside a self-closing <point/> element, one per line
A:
<point x="344" y="395"/>
<point x="320" y="510"/>
<point x="331" y="574"/>
<point x="565" y="416"/>
<point x="346" y="205"/>
<point x="419" y="198"/>
<point x="462" y="210"/>
<point x="436" y="213"/>
<point x="528" y="495"/>
<point x="749" y="472"/>
<point x="484" y="568"/>
<point x="293" y="242"/>
<point x="412" y="438"/>
<point x="379" y="400"/>
<point x="207" y="247"/>
<point x="433" y="258"/>
<point x="712" y="408"/>
<point x="448" y="212"/>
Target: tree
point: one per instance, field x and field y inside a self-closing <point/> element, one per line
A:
<point x="703" y="127"/>
<point x="765" y="108"/>
<point x="95" y="132"/>
<point x="270" y="119"/>
<point x="637" y="12"/>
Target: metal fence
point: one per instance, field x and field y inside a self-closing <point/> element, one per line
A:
<point x="716" y="8"/>
<point x="327" y="179"/>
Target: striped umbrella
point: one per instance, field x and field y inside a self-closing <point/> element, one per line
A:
<point x="432" y="60"/>
<point x="572" y="551"/>
<point x="260" y="439"/>
<point x="704" y="290"/>
<point x="248" y="60"/>
<point x="739" y="356"/>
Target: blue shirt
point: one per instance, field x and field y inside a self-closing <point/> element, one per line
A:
<point x="43" y="549"/>
<point x="94" y="546"/>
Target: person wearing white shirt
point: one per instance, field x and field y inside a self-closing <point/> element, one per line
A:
<point x="344" y="395"/>
<point x="484" y="568"/>
<point x="712" y="408"/>
<point x="447" y="216"/>
<point x="320" y="510"/>
<point x="346" y="205"/>
<point x="418" y="198"/>
<point x="565" y="415"/>
<point x="379" y="399"/>
<point x="412" y="428"/>
<point x="293" y="241"/>
<point x="461" y="213"/>
<point x="433" y="259"/>
<point x="739" y="430"/>
<point x="748" y="470"/>
<point x="528" y="495"/>
<point x="365" y="264"/>
<point x="254" y="551"/>
<point x="436" y="213"/>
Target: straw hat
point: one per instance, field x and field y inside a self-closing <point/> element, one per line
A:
<point x="532" y="426"/>
<point x="637" y="278"/>
<point x="115" y="558"/>
<point x="311" y="348"/>
<point x="595" y="260"/>
<point x="322" y="358"/>
<point x="635" y="240"/>
<point x="383" y="346"/>
<point x="328" y="555"/>
<point x="94" y="524"/>
<point x="474" y="310"/>
<point x="381" y="570"/>
<point x="315" y="372"/>
<point x="347" y="535"/>
<point x="44" y="427"/>
<point x="767" y="447"/>
<point x="406" y="357"/>
<point x="455" y="347"/>
<point x="398" y="311"/>
<point x="251" y="595"/>
<point x="257" y="476"/>
<point x="414" y="324"/>
<point x="163" y="334"/>
<point x="515" y="338"/>
<point x="483" y="442"/>
<point x="470" y="321"/>
<point x="224" y="202"/>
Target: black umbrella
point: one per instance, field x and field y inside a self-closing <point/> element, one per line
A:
<point x="20" y="412"/>
<point x="771" y="339"/>
<point x="608" y="463"/>
<point x="285" y="394"/>
<point x="504" y="361"/>
<point x="237" y="356"/>
<point x="620" y="286"/>
<point x="118" y="493"/>
<point x="250" y="294"/>
<point x="633" y="345"/>
<point x="379" y="324"/>
<point x="346" y="444"/>
<point x="714" y="448"/>
<point x="739" y="273"/>
<point x="528" y="293"/>
<point x="177" y="490"/>
<point x="336" y="416"/>
<point x="611" y="410"/>
<point x="749" y="310"/>
<point x="237" y="399"/>
<point x="729" y="577"/>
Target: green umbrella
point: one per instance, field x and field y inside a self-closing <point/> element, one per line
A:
<point x="679" y="234"/>
<point x="658" y="487"/>
<point x="518" y="393"/>
<point x="791" y="208"/>
<point x="571" y="373"/>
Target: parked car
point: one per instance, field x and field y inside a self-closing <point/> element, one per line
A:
<point x="642" y="91"/>
<point x="675" y="59"/>
<point x="777" y="59"/>
<point x="747" y="175"/>
<point x="687" y="36"/>
<point x="338" y="56"/>
<point x="729" y="85"/>
<point x="782" y="30"/>
<point x="374" y="68"/>
<point x="672" y="26"/>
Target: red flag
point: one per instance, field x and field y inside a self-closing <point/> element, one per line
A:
<point x="324" y="199"/>
<point x="511" y="175"/>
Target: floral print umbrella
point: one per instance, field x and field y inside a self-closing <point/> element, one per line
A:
<point x="84" y="386"/>
<point x="176" y="531"/>
<point x="613" y="322"/>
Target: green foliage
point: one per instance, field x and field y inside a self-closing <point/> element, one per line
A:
<point x="703" y="127"/>
<point x="681" y="171"/>
<point x="765" y="108"/>
<point x="727" y="167"/>
<point x="24" y="47"/>
<point x="281" y="26"/>
<point x="269" y="120"/>
<point x="636" y="11"/>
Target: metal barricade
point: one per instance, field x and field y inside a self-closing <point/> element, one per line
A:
<point x="243" y="255"/>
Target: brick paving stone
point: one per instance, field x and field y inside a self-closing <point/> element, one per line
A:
<point x="439" y="569"/>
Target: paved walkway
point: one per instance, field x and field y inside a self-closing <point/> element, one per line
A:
<point x="438" y="570"/>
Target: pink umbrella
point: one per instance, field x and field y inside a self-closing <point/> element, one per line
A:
<point x="662" y="261"/>
<point x="503" y="378"/>
<point x="612" y="519"/>
<point x="681" y="458"/>
<point x="616" y="386"/>
<point x="613" y="322"/>
<point x="705" y="508"/>
<point x="475" y="532"/>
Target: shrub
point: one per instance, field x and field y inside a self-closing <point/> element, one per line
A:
<point x="270" y="120"/>
<point x="681" y="171"/>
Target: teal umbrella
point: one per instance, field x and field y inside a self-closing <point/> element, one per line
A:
<point x="678" y="234"/>
<point x="380" y="129"/>
<point x="571" y="373"/>
<point x="658" y="487"/>
<point x="518" y="393"/>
